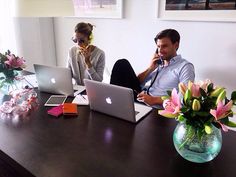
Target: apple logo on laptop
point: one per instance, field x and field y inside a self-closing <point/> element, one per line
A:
<point x="53" y="80"/>
<point x="108" y="100"/>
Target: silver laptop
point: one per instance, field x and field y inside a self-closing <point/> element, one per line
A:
<point x="56" y="80"/>
<point x="115" y="101"/>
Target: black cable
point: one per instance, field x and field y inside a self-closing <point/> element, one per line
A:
<point x="152" y="82"/>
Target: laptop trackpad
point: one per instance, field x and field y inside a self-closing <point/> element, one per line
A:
<point x="141" y="110"/>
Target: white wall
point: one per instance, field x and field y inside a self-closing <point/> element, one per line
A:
<point x="210" y="46"/>
<point x="35" y="40"/>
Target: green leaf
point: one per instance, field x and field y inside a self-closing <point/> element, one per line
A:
<point x="210" y="88"/>
<point x="231" y="114"/>
<point x="202" y="92"/>
<point x="189" y="135"/>
<point x="187" y="97"/>
<point x="221" y="96"/>
<point x="216" y="92"/>
<point x="169" y="92"/>
<point x="230" y="124"/>
<point x="224" y="120"/>
<point x="183" y="109"/>
<point x="202" y="114"/>
<point x="181" y="118"/>
<point x="233" y="96"/>
<point x="200" y="134"/>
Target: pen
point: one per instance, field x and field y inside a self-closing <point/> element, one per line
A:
<point x="77" y="92"/>
<point x="83" y="96"/>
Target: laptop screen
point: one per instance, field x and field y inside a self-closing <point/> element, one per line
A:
<point x="56" y="80"/>
<point x="112" y="100"/>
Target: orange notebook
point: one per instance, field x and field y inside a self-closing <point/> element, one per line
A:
<point x="70" y="109"/>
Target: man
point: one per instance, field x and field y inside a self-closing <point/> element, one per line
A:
<point x="164" y="75"/>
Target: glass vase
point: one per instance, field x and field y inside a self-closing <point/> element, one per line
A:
<point x="8" y="84"/>
<point x="196" y="147"/>
<point x="7" y="87"/>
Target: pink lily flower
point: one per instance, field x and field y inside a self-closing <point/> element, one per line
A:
<point x="222" y="110"/>
<point x="15" y="62"/>
<point x="204" y="84"/>
<point x="195" y="89"/>
<point x="171" y="106"/>
<point x="224" y="128"/>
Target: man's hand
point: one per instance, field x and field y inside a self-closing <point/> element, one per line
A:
<point x="148" y="99"/>
<point x="153" y="64"/>
<point x="144" y="97"/>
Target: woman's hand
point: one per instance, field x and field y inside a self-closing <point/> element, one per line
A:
<point x="86" y="52"/>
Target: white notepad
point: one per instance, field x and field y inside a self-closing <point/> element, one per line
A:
<point x="81" y="100"/>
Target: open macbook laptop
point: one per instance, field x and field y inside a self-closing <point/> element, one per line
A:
<point x="56" y="80"/>
<point x="115" y="101"/>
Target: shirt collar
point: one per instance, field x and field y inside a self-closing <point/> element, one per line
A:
<point x="174" y="59"/>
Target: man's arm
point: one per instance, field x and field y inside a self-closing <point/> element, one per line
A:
<point x="153" y="65"/>
<point x="142" y="76"/>
<point x="187" y="73"/>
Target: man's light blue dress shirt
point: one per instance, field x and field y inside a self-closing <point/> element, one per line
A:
<point x="168" y="77"/>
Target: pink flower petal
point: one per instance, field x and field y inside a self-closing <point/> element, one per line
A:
<point x="175" y="98"/>
<point x="224" y="128"/>
<point x="195" y="90"/>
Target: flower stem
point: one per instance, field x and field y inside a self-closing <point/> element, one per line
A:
<point x="189" y="137"/>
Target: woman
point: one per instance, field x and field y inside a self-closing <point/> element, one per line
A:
<point x="85" y="60"/>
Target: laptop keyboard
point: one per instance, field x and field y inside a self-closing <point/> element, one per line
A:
<point x="31" y="80"/>
<point x="79" y="88"/>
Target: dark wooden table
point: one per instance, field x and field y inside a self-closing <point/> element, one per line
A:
<point x="97" y="145"/>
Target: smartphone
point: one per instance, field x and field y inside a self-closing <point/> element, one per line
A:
<point x="159" y="62"/>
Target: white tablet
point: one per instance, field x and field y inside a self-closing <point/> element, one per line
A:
<point x="55" y="100"/>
